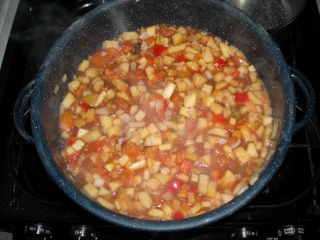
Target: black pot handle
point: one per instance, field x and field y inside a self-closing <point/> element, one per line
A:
<point x="21" y="109"/>
<point x="302" y="81"/>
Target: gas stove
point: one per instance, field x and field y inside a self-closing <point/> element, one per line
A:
<point x="33" y="207"/>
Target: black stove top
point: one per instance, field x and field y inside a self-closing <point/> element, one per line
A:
<point x="32" y="206"/>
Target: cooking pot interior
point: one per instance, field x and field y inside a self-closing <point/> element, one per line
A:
<point x="108" y="21"/>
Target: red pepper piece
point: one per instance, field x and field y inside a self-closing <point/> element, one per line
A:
<point x="164" y="105"/>
<point x="73" y="157"/>
<point x="218" y="118"/>
<point x="175" y="185"/>
<point x="178" y="216"/>
<point x="84" y="106"/>
<point x="159" y="49"/>
<point x="241" y="98"/>
<point x="181" y="58"/>
<point x="219" y="63"/>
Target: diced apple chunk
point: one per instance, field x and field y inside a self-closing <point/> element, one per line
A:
<point x="153" y="183"/>
<point x="83" y="65"/>
<point x="114" y="185"/>
<point x="241" y="154"/>
<point x="153" y="140"/>
<point x="157" y="213"/>
<point x="105" y="203"/>
<point x="78" y="145"/>
<point x="177" y="48"/>
<point x="190" y="100"/>
<point x="68" y="100"/>
<point x="114" y="131"/>
<point x="120" y="85"/>
<point x="228" y="180"/>
<point x="177" y="38"/>
<point x="91" y="190"/>
<point x="128" y="36"/>
<point x="203" y="184"/>
<point x="110" y="44"/>
<point x="198" y="80"/>
<point x="205" y="159"/>
<point x="163" y="178"/>
<point x="145" y="199"/>
<point x="140" y="115"/>
<point x="168" y="90"/>
<point x="207" y="54"/>
<point x="91" y="136"/>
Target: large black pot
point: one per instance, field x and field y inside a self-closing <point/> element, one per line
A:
<point x="108" y="21"/>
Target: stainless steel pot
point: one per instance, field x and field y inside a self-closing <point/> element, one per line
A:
<point x="108" y="21"/>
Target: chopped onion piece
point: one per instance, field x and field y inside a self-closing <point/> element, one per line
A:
<point x="137" y="124"/>
<point x="167" y="196"/>
<point x="208" y="74"/>
<point x="133" y="66"/>
<point x="222" y="141"/>
<point x="236" y="144"/>
<point x="56" y="89"/>
<point x="102" y="111"/>
<point x="242" y="190"/>
<point x="98" y="182"/>
<point x="125" y="118"/>
<point x="144" y="35"/>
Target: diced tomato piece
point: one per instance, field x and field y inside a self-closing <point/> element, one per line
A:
<point x="122" y="104"/>
<point x="235" y="74"/>
<point x="66" y="120"/>
<point x="74" y="130"/>
<point x="185" y="166"/>
<point x="178" y="216"/>
<point x="94" y="146"/>
<point x="131" y="149"/>
<point x="175" y="185"/>
<point x="217" y="175"/>
<point x="218" y="118"/>
<point x="73" y="157"/>
<point x="181" y="58"/>
<point x="241" y="98"/>
<point x="71" y="140"/>
<point x="219" y="63"/>
<point x="125" y="48"/>
<point x="159" y="49"/>
<point x="167" y="32"/>
<point x="100" y="53"/>
<point x="99" y="58"/>
<point x="97" y="119"/>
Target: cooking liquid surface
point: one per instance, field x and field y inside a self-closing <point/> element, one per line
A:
<point x="31" y="188"/>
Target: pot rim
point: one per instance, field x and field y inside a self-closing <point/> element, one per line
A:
<point x="172" y="225"/>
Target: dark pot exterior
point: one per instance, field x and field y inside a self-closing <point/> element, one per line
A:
<point x="107" y="22"/>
